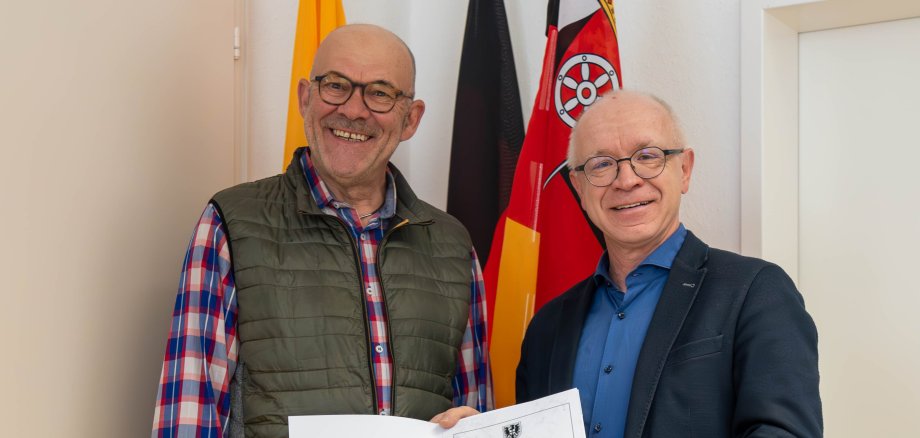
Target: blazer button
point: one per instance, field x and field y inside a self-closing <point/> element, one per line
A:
<point x="597" y="427"/>
<point x="621" y="315"/>
<point x="608" y="369"/>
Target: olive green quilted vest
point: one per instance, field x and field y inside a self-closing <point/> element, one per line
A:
<point x="303" y="328"/>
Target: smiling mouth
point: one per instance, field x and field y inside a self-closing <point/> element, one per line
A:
<point x="628" y="206"/>
<point x="350" y="136"/>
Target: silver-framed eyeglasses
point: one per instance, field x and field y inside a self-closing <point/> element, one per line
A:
<point x="379" y="96"/>
<point x="647" y="163"/>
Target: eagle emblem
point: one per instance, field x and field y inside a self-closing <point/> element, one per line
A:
<point x="512" y="430"/>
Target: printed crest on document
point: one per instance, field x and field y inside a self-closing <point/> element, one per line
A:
<point x="512" y="430"/>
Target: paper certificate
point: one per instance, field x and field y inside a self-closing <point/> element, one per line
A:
<point x="555" y="416"/>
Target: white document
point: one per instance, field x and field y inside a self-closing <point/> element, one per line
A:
<point x="555" y="416"/>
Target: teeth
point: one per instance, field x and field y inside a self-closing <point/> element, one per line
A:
<point x="623" y="207"/>
<point x="349" y="135"/>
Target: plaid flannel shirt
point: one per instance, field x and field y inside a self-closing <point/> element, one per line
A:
<point x="202" y="350"/>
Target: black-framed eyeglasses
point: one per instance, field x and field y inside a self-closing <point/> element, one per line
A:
<point x="647" y="163"/>
<point x="380" y="96"/>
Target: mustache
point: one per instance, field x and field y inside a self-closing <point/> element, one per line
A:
<point x="358" y="126"/>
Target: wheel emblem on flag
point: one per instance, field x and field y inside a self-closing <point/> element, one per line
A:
<point x="511" y="430"/>
<point x="582" y="78"/>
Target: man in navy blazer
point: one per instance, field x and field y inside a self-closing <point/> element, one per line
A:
<point x="669" y="338"/>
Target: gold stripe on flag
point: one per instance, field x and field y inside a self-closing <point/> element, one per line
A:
<point x="517" y="283"/>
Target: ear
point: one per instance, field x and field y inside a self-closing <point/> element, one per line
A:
<point x="413" y="118"/>
<point x="303" y="95"/>
<point x="686" y="169"/>
<point x="577" y="183"/>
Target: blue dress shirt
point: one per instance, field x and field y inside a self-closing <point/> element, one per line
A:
<point x="613" y="335"/>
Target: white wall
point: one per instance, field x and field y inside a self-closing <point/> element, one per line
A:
<point x="686" y="51"/>
<point x="116" y="125"/>
<point x="858" y="154"/>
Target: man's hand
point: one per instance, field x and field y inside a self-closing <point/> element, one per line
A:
<point x="450" y="417"/>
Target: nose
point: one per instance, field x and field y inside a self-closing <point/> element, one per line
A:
<point x="354" y="107"/>
<point x="626" y="177"/>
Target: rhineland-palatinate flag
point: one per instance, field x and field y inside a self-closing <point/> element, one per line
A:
<point x="543" y="243"/>
<point x="315" y="19"/>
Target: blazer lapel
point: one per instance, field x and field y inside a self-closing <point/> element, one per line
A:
<point x="679" y="292"/>
<point x="565" y="343"/>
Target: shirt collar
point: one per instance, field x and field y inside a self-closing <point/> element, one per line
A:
<point x="325" y="198"/>
<point x="662" y="257"/>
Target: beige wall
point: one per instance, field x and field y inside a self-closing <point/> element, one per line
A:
<point x="116" y="124"/>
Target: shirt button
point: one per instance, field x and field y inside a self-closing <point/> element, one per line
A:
<point x="608" y="369"/>
<point x="384" y="412"/>
<point x="636" y="274"/>
<point x="379" y="348"/>
<point x="370" y="291"/>
<point x="363" y="236"/>
<point x="597" y="427"/>
<point x="621" y="315"/>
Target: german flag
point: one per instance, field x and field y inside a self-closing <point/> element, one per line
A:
<point x="543" y="243"/>
<point x="488" y="125"/>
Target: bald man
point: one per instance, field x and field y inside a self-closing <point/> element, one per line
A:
<point x="329" y="289"/>
<point x="669" y="337"/>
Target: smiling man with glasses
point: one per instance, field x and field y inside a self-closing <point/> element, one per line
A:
<point x="329" y="289"/>
<point x="669" y="337"/>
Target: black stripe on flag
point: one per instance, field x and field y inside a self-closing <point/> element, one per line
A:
<point x="488" y="125"/>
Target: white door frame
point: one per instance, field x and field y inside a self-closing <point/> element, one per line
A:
<point x="769" y="112"/>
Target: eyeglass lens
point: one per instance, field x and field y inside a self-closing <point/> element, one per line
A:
<point x="646" y="162"/>
<point x="378" y="96"/>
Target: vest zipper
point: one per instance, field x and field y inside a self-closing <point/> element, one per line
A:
<point x="367" y="328"/>
<point x="383" y="296"/>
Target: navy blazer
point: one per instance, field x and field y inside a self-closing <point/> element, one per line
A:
<point x="730" y="351"/>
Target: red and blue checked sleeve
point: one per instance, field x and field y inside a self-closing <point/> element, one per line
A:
<point x="193" y="398"/>
<point x="473" y="379"/>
